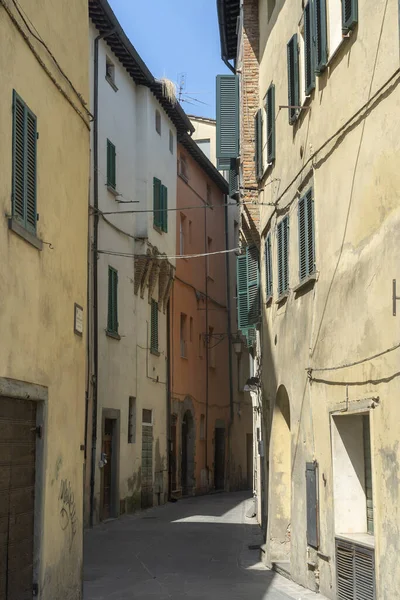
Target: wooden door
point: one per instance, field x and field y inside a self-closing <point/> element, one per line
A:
<point x="17" y="497"/>
<point x="107" y="449"/>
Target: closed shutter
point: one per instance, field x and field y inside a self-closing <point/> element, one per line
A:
<point x="312" y="504"/>
<point x="355" y="571"/>
<point x="253" y="274"/>
<point x="258" y="126"/>
<point x="24" y="164"/>
<point x="268" y="267"/>
<point x="111" y="170"/>
<point x="283" y="256"/>
<point x="368" y="475"/>
<point x="164" y="208"/>
<point x="112" y="316"/>
<point x="223" y="164"/>
<point x="306" y="236"/>
<point x="227" y="116"/>
<point x="154" y="327"/>
<point x="308" y="49"/>
<point x="242" y="293"/>
<point x="157" y="203"/>
<point x="270" y="112"/>
<point x="320" y="36"/>
<point x="349" y="14"/>
<point x="293" y="78"/>
<point x="233" y="180"/>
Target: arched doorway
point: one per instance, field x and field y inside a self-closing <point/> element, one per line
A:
<point x="187" y="458"/>
<point x="281" y="479"/>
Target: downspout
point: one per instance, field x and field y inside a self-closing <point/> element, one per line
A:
<point x="228" y="64"/>
<point x="207" y="340"/>
<point x="95" y="270"/>
<point x="228" y="305"/>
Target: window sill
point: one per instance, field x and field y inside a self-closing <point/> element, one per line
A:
<point x="308" y="281"/>
<point x="282" y="298"/>
<point x="20" y="230"/>
<point x="110" y="81"/>
<point x="361" y="539"/>
<point x="158" y="229"/>
<point x="154" y="352"/>
<point x="112" y="190"/>
<point x="113" y="335"/>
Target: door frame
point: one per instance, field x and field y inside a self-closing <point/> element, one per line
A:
<point x="21" y="390"/>
<point x="114" y="415"/>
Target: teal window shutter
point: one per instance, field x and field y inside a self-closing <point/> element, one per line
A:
<point x="111" y="170"/>
<point x="157" y="203"/>
<point x="270" y="112"/>
<point x="223" y="164"/>
<point x="24" y="164"/>
<point x="283" y="256"/>
<point x="154" y="327"/>
<point x="293" y="78"/>
<point x="112" y="315"/>
<point x="253" y="284"/>
<point x="306" y="235"/>
<point x="227" y="116"/>
<point x="309" y="69"/>
<point x="349" y="15"/>
<point x="268" y="267"/>
<point x="258" y="124"/>
<point x="164" y="208"/>
<point x="233" y="179"/>
<point x="242" y="292"/>
<point x="320" y="36"/>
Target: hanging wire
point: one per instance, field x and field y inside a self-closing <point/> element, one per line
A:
<point x="164" y="256"/>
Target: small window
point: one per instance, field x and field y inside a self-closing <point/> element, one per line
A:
<point x="171" y="142"/>
<point x="306" y="235"/>
<point x="202" y="427"/>
<point x="112" y="317"/>
<point x="132" y="420"/>
<point x="154" y="327"/>
<point x="182" y="226"/>
<point x="209" y="195"/>
<point x="283" y="256"/>
<point x="158" y="122"/>
<point x="183" y="335"/>
<point x="111" y="166"/>
<point x="110" y="71"/>
<point x="160" y="205"/>
<point x="293" y="78"/>
<point x="147" y="416"/>
<point x="183" y="168"/>
<point x="205" y="146"/>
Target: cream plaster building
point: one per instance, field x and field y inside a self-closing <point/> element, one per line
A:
<point x="318" y="89"/>
<point x="44" y="178"/>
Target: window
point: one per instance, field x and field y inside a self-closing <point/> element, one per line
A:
<point x="309" y="67"/>
<point x="132" y="420"/>
<point x="268" y="268"/>
<point x="349" y="14"/>
<point x="158" y="122"/>
<point x="111" y="171"/>
<point x="191" y="330"/>
<point x="112" y="317"/>
<point x="205" y="146"/>
<point x="171" y="142"/>
<point x="182" y="235"/>
<point x="201" y="345"/>
<point x="160" y="205"/>
<point x="110" y="71"/>
<point x="24" y="165"/>
<point x="147" y="416"/>
<point x="209" y="195"/>
<point x="202" y="427"/>
<point x="209" y="258"/>
<point x="154" y="327"/>
<point x="183" y="335"/>
<point x="258" y="126"/>
<point x="183" y="168"/>
<point x="306" y="235"/>
<point x="211" y="348"/>
<point x="321" y="42"/>
<point x="293" y="78"/>
<point x="248" y="289"/>
<point x="283" y="256"/>
<point x="270" y="112"/>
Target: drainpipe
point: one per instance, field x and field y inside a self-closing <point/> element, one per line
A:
<point x="207" y="340"/>
<point x="228" y="305"/>
<point x="95" y="270"/>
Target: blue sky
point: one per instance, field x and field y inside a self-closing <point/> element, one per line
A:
<point x="174" y="37"/>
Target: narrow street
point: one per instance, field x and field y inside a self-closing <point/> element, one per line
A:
<point x="195" y="548"/>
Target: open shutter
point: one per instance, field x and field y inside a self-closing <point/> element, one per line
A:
<point x="31" y="140"/>
<point x="242" y="292"/>
<point x="293" y="78"/>
<point x="270" y="111"/>
<point x="112" y="315"/>
<point x="306" y="236"/>
<point x="268" y="267"/>
<point x="164" y="208"/>
<point x="227" y="116"/>
<point x="349" y="14"/>
<point x="310" y="232"/>
<point x="320" y="36"/>
<point x="154" y="327"/>
<point x="258" y="125"/>
<point x="253" y="283"/>
<point x="308" y="49"/>
<point x="283" y="256"/>
<point x="312" y="504"/>
<point x="233" y="179"/>
<point x="111" y="176"/>
<point x="157" y="202"/>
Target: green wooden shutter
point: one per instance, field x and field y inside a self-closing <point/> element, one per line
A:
<point x="242" y="292"/>
<point x="270" y="111"/>
<point x="268" y="267"/>
<point x="112" y="315"/>
<point x="309" y="69"/>
<point x="111" y="170"/>
<point x="258" y="125"/>
<point x="157" y="203"/>
<point x="164" y="208"/>
<point x="233" y="180"/>
<point x="310" y="232"/>
<point x="227" y="116"/>
<point x="223" y="164"/>
<point x="154" y="327"/>
<point x="253" y="284"/>
<point x="320" y="36"/>
<point x="306" y="236"/>
<point x="24" y="164"/>
<point x="349" y="15"/>
<point x="293" y="78"/>
<point x="283" y="256"/>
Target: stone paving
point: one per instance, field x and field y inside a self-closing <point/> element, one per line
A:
<point x="197" y="548"/>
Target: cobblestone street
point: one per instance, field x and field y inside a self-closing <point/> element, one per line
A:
<point x="196" y="548"/>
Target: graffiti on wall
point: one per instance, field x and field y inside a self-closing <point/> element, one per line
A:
<point x="67" y="509"/>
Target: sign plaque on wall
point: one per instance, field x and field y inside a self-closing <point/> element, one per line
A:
<point x="78" y="319"/>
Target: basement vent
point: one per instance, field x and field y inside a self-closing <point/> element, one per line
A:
<point x="355" y="572"/>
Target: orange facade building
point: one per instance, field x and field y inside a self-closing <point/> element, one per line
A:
<point x="201" y="403"/>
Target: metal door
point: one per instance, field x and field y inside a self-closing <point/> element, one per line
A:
<point x="219" y="462"/>
<point x="17" y="497"/>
